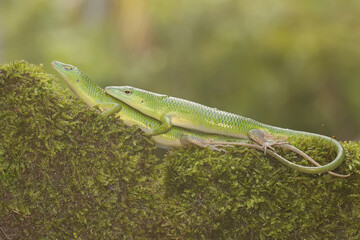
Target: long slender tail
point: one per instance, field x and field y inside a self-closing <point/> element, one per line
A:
<point x="340" y="153"/>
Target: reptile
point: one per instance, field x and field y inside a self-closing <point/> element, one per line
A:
<point x="95" y="96"/>
<point x="194" y="116"/>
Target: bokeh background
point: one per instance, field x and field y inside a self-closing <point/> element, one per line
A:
<point x="294" y="64"/>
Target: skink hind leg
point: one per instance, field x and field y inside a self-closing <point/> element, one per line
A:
<point x="111" y="108"/>
<point x="264" y="139"/>
<point x="216" y="146"/>
<point x="188" y="140"/>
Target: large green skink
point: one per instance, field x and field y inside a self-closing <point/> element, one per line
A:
<point x="94" y="96"/>
<point x="183" y="113"/>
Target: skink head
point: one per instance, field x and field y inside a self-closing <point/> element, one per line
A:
<point x="144" y="101"/>
<point x="78" y="82"/>
<point x="68" y="72"/>
<point x="124" y="93"/>
<point x="72" y="75"/>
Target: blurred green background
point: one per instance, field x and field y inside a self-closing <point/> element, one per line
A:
<point x="294" y="64"/>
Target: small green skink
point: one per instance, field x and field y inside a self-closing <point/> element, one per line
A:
<point x="183" y="113"/>
<point x="94" y="96"/>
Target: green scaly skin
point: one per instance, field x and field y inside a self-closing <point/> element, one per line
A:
<point x="190" y="115"/>
<point x="94" y="96"/>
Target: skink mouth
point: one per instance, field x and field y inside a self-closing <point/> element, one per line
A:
<point x="108" y="89"/>
<point x="57" y="64"/>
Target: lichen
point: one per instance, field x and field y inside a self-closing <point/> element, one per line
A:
<point x="67" y="172"/>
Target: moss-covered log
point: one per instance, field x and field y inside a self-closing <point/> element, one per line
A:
<point x="67" y="172"/>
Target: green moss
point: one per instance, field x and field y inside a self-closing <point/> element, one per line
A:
<point x="67" y="172"/>
<point x="244" y="195"/>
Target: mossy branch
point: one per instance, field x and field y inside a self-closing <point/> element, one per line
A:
<point x="67" y="172"/>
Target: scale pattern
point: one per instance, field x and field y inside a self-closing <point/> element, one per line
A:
<point x="191" y="115"/>
<point x="92" y="95"/>
<point x="195" y="116"/>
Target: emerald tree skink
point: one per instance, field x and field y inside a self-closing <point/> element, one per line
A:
<point x="94" y="96"/>
<point x="183" y="113"/>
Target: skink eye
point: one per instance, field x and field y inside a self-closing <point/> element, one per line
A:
<point x="68" y="68"/>
<point x="128" y="92"/>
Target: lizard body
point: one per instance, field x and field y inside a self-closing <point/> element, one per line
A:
<point x="173" y="111"/>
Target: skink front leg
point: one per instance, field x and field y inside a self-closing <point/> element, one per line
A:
<point x="165" y="126"/>
<point x="111" y="108"/>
